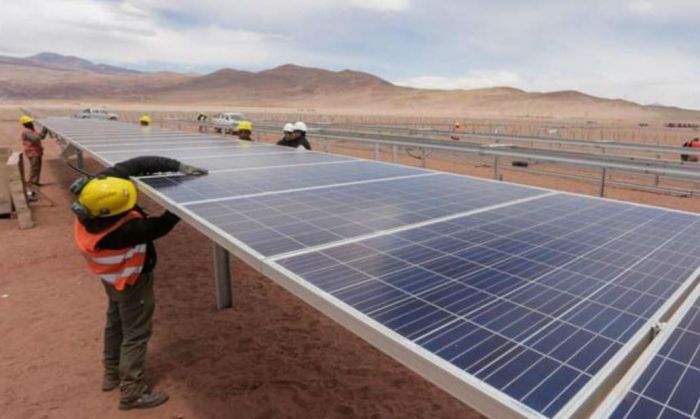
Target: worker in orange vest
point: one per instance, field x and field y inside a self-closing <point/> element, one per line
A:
<point x="34" y="152"/>
<point x="116" y="238"/>
<point x="694" y="143"/>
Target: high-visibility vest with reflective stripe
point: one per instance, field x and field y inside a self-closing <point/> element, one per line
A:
<point x="31" y="148"/>
<point x="117" y="267"/>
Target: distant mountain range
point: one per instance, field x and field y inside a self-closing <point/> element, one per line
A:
<point x="50" y="60"/>
<point x="54" y="76"/>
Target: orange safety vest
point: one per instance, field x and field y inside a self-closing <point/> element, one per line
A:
<point x="31" y="148"/>
<point x="116" y="267"/>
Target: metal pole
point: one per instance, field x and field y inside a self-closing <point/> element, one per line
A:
<point x="376" y="151"/>
<point x="495" y="168"/>
<point x="222" y="277"/>
<point x="325" y="145"/>
<point x="422" y="157"/>
<point x="79" y="159"/>
<point x="394" y="153"/>
<point x="604" y="174"/>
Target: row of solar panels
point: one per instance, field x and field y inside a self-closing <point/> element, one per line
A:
<point x="518" y="300"/>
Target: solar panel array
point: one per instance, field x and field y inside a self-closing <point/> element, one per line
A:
<point x="529" y="292"/>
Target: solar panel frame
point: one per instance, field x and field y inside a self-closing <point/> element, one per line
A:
<point x="466" y="388"/>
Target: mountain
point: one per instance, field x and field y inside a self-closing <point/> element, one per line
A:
<point x="289" y="85"/>
<point x="54" y="76"/>
<point x="67" y="62"/>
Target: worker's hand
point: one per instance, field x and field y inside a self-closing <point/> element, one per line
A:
<point x="191" y="170"/>
<point x="44" y="131"/>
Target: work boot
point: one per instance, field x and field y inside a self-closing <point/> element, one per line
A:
<point x="145" y="401"/>
<point x="110" y="382"/>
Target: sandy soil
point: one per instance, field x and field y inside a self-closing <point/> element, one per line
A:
<point x="271" y="356"/>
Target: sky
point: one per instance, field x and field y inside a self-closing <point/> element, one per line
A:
<point x="647" y="51"/>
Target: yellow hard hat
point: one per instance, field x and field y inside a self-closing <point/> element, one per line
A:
<point x="25" y="119"/>
<point x="245" y="125"/>
<point x="145" y="118"/>
<point x="104" y="197"/>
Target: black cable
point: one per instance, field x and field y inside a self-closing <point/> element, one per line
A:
<point x="82" y="172"/>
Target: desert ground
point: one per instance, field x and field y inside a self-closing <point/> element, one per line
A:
<point x="271" y="356"/>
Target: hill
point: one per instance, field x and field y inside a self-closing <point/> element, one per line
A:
<point x="54" y="76"/>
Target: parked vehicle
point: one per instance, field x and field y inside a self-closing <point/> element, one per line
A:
<point x="229" y="119"/>
<point x="94" y="113"/>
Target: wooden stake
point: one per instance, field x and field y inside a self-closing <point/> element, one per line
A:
<point x="15" y="174"/>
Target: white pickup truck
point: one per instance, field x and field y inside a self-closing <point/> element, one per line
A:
<point x="93" y="113"/>
<point x="229" y="119"/>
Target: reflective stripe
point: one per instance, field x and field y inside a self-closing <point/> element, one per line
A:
<point x="113" y="260"/>
<point x="112" y="278"/>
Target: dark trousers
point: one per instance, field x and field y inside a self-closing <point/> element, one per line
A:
<point x="127" y="332"/>
<point x="34" y="170"/>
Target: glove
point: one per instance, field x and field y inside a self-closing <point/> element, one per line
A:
<point x="186" y="169"/>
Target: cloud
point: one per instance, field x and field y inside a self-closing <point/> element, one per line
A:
<point x="643" y="50"/>
<point x="387" y="5"/>
<point x="473" y="80"/>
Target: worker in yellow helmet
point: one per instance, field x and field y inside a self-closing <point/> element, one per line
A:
<point x="33" y="151"/>
<point x="116" y="239"/>
<point x="145" y="120"/>
<point x="202" y="118"/>
<point x="245" y="131"/>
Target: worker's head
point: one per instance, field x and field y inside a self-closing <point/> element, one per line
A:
<point x="288" y="130"/>
<point x="456" y="124"/>
<point x="145" y="120"/>
<point x="27" y="121"/>
<point x="245" y="130"/>
<point x="103" y="196"/>
<point x="299" y="129"/>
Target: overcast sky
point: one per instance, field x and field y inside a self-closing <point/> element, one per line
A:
<point x="642" y="50"/>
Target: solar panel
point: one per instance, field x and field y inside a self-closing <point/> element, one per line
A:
<point x="185" y="190"/>
<point x="284" y="222"/>
<point x="517" y="300"/>
<point x="532" y="299"/>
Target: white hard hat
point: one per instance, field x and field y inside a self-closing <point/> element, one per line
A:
<point x="288" y="127"/>
<point x="300" y="126"/>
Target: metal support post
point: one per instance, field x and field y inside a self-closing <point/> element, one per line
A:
<point x="376" y="151"/>
<point x="604" y="175"/>
<point x="422" y="157"/>
<point x="394" y="153"/>
<point x="496" y="174"/>
<point x="325" y="145"/>
<point x="656" y="180"/>
<point x="222" y="277"/>
<point x="80" y="164"/>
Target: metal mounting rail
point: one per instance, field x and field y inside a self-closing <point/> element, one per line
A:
<point x="602" y="144"/>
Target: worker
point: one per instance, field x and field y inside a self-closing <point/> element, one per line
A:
<point x="298" y="137"/>
<point x="245" y="131"/>
<point x="694" y="143"/>
<point x="455" y="132"/>
<point x="34" y="152"/>
<point x="116" y="238"/>
<point x="287" y="133"/>
<point x="202" y="117"/>
<point x="145" y="120"/>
